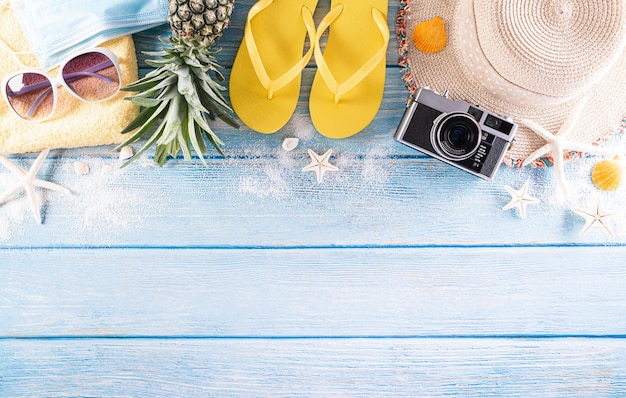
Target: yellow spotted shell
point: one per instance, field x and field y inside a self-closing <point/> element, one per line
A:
<point x="607" y="174"/>
<point x="430" y="36"/>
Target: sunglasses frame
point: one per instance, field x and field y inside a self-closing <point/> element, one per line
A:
<point x="59" y="81"/>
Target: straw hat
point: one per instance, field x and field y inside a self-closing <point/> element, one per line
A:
<point x="527" y="59"/>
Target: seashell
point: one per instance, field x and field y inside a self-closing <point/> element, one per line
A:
<point x="607" y="174"/>
<point x="430" y="36"/>
<point x="81" y="168"/>
<point x="126" y="153"/>
<point x="290" y="143"/>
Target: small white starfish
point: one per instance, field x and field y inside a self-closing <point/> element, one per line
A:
<point x="28" y="181"/>
<point x="595" y="218"/>
<point x="557" y="144"/>
<point x="320" y="164"/>
<point x="520" y="199"/>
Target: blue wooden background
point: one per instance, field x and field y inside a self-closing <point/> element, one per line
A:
<point x="396" y="276"/>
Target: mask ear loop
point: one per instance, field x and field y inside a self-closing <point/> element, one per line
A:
<point x="4" y="4"/>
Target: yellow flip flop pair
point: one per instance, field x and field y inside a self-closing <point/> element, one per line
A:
<point x="348" y="86"/>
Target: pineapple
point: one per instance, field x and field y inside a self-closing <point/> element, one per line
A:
<point x="207" y="18"/>
<point x="184" y="89"/>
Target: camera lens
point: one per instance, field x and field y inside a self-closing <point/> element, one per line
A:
<point x="458" y="136"/>
<point x="455" y="136"/>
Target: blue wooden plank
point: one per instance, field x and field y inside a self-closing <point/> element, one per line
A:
<point x="532" y="291"/>
<point x="264" y="199"/>
<point x="314" y="367"/>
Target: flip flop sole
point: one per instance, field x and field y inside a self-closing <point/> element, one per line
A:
<point x="354" y="38"/>
<point x="279" y="34"/>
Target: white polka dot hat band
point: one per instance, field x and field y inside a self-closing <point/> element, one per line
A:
<point x="528" y="59"/>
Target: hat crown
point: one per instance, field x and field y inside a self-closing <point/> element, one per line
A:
<point x="560" y="11"/>
<point x="556" y="48"/>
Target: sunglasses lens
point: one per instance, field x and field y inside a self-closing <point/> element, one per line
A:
<point x="92" y="76"/>
<point x="30" y="95"/>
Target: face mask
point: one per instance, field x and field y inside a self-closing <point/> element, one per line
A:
<point x="57" y="28"/>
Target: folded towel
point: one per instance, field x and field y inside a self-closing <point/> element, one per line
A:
<point x="75" y="123"/>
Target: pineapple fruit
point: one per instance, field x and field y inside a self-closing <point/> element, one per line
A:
<point x="184" y="89"/>
<point x="206" y="18"/>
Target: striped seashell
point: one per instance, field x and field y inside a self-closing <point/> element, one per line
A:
<point x="607" y="174"/>
<point x="430" y="36"/>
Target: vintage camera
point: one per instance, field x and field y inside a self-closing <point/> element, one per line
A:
<point x="465" y="136"/>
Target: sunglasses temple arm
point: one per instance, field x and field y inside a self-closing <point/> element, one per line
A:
<point x="90" y="72"/>
<point x="71" y="77"/>
<point x="35" y="104"/>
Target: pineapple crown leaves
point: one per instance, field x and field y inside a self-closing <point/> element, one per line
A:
<point x="176" y="99"/>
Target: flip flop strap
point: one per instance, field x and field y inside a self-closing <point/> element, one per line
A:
<point x="257" y="63"/>
<point x="340" y="89"/>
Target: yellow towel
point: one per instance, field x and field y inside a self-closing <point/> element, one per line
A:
<point x="75" y="123"/>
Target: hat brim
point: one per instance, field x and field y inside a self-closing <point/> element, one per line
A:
<point x="598" y="122"/>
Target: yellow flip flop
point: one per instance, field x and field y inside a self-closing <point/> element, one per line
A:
<point x="265" y="79"/>
<point x="348" y="86"/>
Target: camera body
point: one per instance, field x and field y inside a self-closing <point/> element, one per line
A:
<point x="462" y="135"/>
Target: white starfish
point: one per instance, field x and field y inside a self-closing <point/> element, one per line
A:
<point x="558" y="143"/>
<point x="595" y="218"/>
<point x="28" y="181"/>
<point x="320" y="164"/>
<point x="520" y="199"/>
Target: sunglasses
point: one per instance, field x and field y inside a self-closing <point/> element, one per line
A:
<point x="91" y="76"/>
